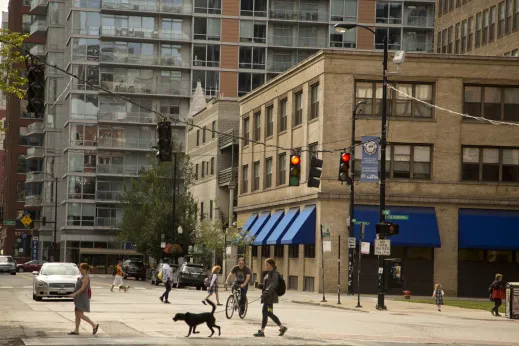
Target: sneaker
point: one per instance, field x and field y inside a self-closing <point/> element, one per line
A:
<point x="282" y="331"/>
<point x="167" y="302"/>
<point x="203" y="302"/>
<point x="161" y="299"/>
<point x="259" y="334"/>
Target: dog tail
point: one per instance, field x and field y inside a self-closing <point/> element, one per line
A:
<point x="212" y="305"/>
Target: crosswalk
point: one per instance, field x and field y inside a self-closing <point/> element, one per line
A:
<point x="93" y="287"/>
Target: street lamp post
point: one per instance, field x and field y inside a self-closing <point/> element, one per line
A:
<point x="342" y="27"/>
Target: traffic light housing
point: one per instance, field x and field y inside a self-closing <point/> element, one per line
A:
<point x="295" y="170"/>
<point x="36" y="90"/>
<point x="165" y="153"/>
<point x="387" y="229"/>
<point x="314" y="175"/>
<point x="344" y="168"/>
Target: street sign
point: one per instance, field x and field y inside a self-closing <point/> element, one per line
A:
<point x="327" y="246"/>
<point x="361" y="222"/>
<point x="34" y="252"/>
<point x="162" y="244"/>
<point x="326" y="234"/>
<point x="26" y="220"/>
<point x="24" y="236"/>
<point x="364" y="248"/>
<point x="386" y="212"/>
<point x="382" y="247"/>
<point x="397" y="217"/>
<point x="352" y="242"/>
<point x="9" y="222"/>
<point x="34" y="238"/>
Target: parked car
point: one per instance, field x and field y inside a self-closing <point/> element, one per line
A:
<point x="154" y="280"/>
<point x="30" y="266"/>
<point x="190" y="274"/>
<point x="134" y="268"/>
<point x="7" y="265"/>
<point x="54" y="280"/>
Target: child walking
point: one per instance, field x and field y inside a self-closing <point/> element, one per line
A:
<point x="438" y="294"/>
<point x="213" y="287"/>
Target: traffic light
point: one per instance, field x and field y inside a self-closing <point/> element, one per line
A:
<point x="43" y="221"/>
<point x="164" y="141"/>
<point x="36" y="90"/>
<point x="344" y="168"/>
<point x="387" y="229"/>
<point x="295" y="170"/>
<point x="314" y="175"/>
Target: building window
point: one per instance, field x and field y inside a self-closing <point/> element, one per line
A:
<point x="440" y="7"/>
<point x="458" y="38"/>
<point x="206" y="55"/>
<point x="208" y="6"/>
<point x="213" y="129"/>
<point x="254" y="8"/>
<point x="212" y="165"/>
<point x="282" y="115"/>
<point x="202" y="214"/>
<point x="210" y="81"/>
<point x="203" y="134"/>
<point x="312" y="150"/>
<point x="494" y="103"/>
<point x="314" y="101"/>
<point x="449" y="34"/>
<point x="254" y="251"/>
<point x="245" y="179"/>
<point x="470" y="34"/>
<point x="210" y="209"/>
<point x="516" y="16"/>
<point x="451" y="5"/>
<point x="479" y="24"/>
<point x="509" y="15"/>
<point x="207" y="29"/>
<point x="347" y="39"/>
<point x="445" y="6"/>
<point x="197" y="138"/>
<point x="399" y="104"/>
<point x="270" y="121"/>
<point x="293" y="251"/>
<point x="492" y="26"/>
<point x="344" y="10"/>
<point x="20" y="191"/>
<point x="249" y="81"/>
<point x="309" y="250"/>
<point x="490" y="164"/>
<point x="252" y="58"/>
<point x="196" y="171"/>
<point x="439" y="42"/>
<point x="253" y="32"/>
<point x="308" y="283"/>
<point x="257" y="126"/>
<point x="464" y="37"/>
<point x="279" y="251"/>
<point x="282" y="168"/>
<point x="265" y="251"/>
<point x="246" y="131"/>
<point x="256" y="173"/>
<point x="389" y="12"/>
<point x="394" y="38"/>
<point x="484" y="35"/>
<point x="501" y="20"/>
<point x="202" y="171"/>
<point x="298" y="109"/>
<point x="293" y="282"/>
<point x="268" y="173"/>
<point x="444" y="41"/>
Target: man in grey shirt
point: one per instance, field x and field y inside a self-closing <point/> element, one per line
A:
<point x="242" y="275"/>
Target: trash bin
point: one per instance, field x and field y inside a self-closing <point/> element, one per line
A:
<point x="512" y="300"/>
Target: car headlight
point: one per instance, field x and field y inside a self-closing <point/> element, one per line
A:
<point x="42" y="283"/>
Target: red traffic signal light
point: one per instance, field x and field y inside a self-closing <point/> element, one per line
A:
<point x="344" y="168"/>
<point x="345" y="157"/>
<point x="295" y="170"/>
<point x="295" y="160"/>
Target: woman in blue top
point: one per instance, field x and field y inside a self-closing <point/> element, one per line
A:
<point x="82" y="299"/>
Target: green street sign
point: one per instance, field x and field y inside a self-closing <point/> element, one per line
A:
<point x="361" y="222"/>
<point x="397" y="217"/>
<point x="9" y="222"/>
<point x="386" y="212"/>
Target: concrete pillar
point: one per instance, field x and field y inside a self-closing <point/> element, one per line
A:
<point x="446" y="257"/>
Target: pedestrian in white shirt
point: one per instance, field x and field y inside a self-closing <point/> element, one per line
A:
<point x="167" y="273"/>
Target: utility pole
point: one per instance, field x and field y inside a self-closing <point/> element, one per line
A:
<point x="55" y="218"/>
<point x="173" y="214"/>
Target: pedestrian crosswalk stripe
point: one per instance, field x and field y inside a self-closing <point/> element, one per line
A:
<point x="139" y="288"/>
<point x="6" y="287"/>
<point x="27" y="286"/>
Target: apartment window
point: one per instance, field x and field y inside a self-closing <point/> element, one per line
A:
<point x="20" y="191"/>
<point x="458" y="3"/>
<point x="389" y="12"/>
<point x="464" y="36"/>
<point x="206" y="55"/>
<point x="212" y="165"/>
<point x="21" y="166"/>
<point x="197" y="138"/>
<point x="516" y="16"/>
<point x="344" y="10"/>
<point x="458" y="38"/>
<point x="256" y="173"/>
<point x="470" y="34"/>
<point x="282" y="168"/>
<point x="246" y="131"/>
<point x="253" y="32"/>
<point x="265" y="251"/>
<point x="439" y="42"/>
<point x="279" y="251"/>
<point x="398" y="104"/>
<point x="394" y="38"/>
<point x="293" y="251"/>
<point x="268" y="173"/>
<point x="314" y="101"/>
<point x="440" y="7"/>
<point x="347" y="39"/>
<point x="249" y="81"/>
<point x="254" y="8"/>
<point x="257" y="126"/>
<point x="202" y="171"/>
<point x="202" y="214"/>
<point x="210" y="81"/>
<point x="494" y="103"/>
<point x="450" y="34"/>
<point x="252" y="58"/>
<point x="203" y="134"/>
<point x="210" y="209"/>
<point x="298" y="108"/>
<point x="501" y="20"/>
<point x="213" y="129"/>
<point x="515" y="52"/>
<point x="444" y="41"/>
<point x="308" y="283"/>
<point x="254" y="251"/>
<point x="196" y="171"/>
<point x="451" y="5"/>
<point x="282" y="115"/>
<point x="270" y="121"/>
<point x="490" y="164"/>
<point x="245" y="179"/>
<point x="309" y="250"/>
<point x="208" y="6"/>
<point x="293" y="282"/>
<point x="479" y="24"/>
<point x="207" y="29"/>
<point x="509" y="15"/>
<point x="445" y="6"/>
<point x="492" y="26"/>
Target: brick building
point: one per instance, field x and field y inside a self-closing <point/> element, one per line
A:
<point x="477" y="27"/>
<point x="456" y="178"/>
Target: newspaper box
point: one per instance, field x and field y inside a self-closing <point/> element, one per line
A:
<point x="512" y="300"/>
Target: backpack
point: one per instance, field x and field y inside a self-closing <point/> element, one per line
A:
<point x="89" y="293"/>
<point x="159" y="275"/>
<point x="207" y="282"/>
<point x="282" y="286"/>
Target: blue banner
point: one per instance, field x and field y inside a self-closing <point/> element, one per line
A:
<point x="370" y="149"/>
<point x="34" y="251"/>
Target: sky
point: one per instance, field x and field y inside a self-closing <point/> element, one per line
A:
<point x="3" y="5"/>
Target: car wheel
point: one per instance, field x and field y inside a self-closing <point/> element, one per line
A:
<point x="33" y="296"/>
<point x="38" y="299"/>
<point x="21" y="270"/>
<point x="13" y="273"/>
<point x="198" y="288"/>
<point x="179" y="284"/>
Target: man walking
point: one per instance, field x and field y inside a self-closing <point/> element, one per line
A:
<point x="167" y="273"/>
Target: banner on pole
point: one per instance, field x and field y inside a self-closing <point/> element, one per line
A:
<point x="370" y="150"/>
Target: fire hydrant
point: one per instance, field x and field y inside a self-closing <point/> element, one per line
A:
<point x="407" y="294"/>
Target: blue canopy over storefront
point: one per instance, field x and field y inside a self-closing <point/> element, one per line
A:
<point x="282" y="227"/>
<point x="261" y="238"/>
<point x="486" y="229"/>
<point x="302" y="230"/>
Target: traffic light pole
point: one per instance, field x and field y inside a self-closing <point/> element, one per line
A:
<point x="174" y="194"/>
<point x="55" y="250"/>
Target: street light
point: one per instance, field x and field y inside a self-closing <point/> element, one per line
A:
<point x="342" y="27"/>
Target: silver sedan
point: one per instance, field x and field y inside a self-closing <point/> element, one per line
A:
<point x="55" y="280"/>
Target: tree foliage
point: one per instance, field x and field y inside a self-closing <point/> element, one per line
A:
<point x="148" y="205"/>
<point x="12" y="63"/>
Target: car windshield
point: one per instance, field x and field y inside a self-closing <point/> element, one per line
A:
<point x="136" y="264"/>
<point x="192" y="269"/>
<point x="59" y="269"/>
<point x="6" y="260"/>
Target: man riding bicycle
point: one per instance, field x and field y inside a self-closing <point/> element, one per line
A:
<point x="242" y="275"/>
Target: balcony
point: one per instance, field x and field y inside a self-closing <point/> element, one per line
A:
<point x="149" y="89"/>
<point x="38" y="28"/>
<point x="227" y="139"/>
<point x="419" y="21"/>
<point x="33" y="201"/>
<point x="127" y="117"/>
<point x="145" y="7"/>
<point x="34" y="177"/>
<point x="125" y="143"/>
<point x="131" y="170"/>
<point x="108" y="195"/>
<point x="299" y="42"/>
<point x="417" y="46"/>
<point x="35" y="128"/>
<point x="299" y="16"/>
<point x="38" y="50"/>
<point x="226" y="175"/>
<point x="110" y="222"/>
<point x="144" y="33"/>
<point x="280" y="66"/>
<point x="38" y="7"/>
<point x="164" y="61"/>
<point x="33" y="153"/>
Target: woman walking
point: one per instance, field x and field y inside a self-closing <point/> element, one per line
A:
<point x="82" y="299"/>
<point x="497" y="292"/>
<point x="438" y="294"/>
<point x="269" y="297"/>
<point x="118" y="281"/>
<point x="213" y="288"/>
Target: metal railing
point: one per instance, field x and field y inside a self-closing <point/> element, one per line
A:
<point x="107" y="222"/>
<point x="38" y="49"/>
<point x="38" y="25"/>
<point x="87" y="3"/>
<point x="417" y="46"/>
<point x="225" y="176"/>
<point x="34" y="152"/>
<point x="109" y="195"/>
<point x="31" y="177"/>
<point x="420" y="21"/>
<point x="142" y="6"/>
<point x="38" y="3"/>
<point x="127" y="117"/>
<point x="144" y="60"/>
<point x="280" y="66"/>
<point x="126" y="143"/>
<point x="143" y="33"/>
<point x="34" y="128"/>
<point x="119" y="169"/>
<point x="299" y="15"/>
<point x="294" y="41"/>
<point x="33" y="201"/>
<point x="226" y="139"/>
<point x="143" y="88"/>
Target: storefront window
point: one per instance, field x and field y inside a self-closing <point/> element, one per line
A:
<point x="495" y="256"/>
<point x="417" y="253"/>
<point x="471" y="255"/>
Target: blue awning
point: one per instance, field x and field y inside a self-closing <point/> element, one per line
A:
<point x="302" y="230"/>
<point x="486" y="229"/>
<point x="421" y="230"/>
<point x="282" y="227"/>
<point x="258" y="225"/>
<point x="250" y="222"/>
<point x="261" y="238"/>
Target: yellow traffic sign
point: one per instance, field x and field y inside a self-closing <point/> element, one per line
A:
<point x="26" y="220"/>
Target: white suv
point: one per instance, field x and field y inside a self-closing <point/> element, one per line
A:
<point x="7" y="265"/>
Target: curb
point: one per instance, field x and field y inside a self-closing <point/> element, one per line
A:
<point x="328" y="306"/>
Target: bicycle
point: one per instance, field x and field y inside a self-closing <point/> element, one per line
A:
<point x="232" y="303"/>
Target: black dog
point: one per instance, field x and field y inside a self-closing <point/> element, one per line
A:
<point x="193" y="320"/>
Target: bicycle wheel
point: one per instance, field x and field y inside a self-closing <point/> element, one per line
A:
<point x="243" y="313"/>
<point x="229" y="307"/>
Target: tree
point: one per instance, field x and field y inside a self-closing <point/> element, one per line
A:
<point x="148" y="203"/>
<point x="12" y="63"/>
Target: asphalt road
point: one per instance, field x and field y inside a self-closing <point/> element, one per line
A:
<point x="138" y="318"/>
